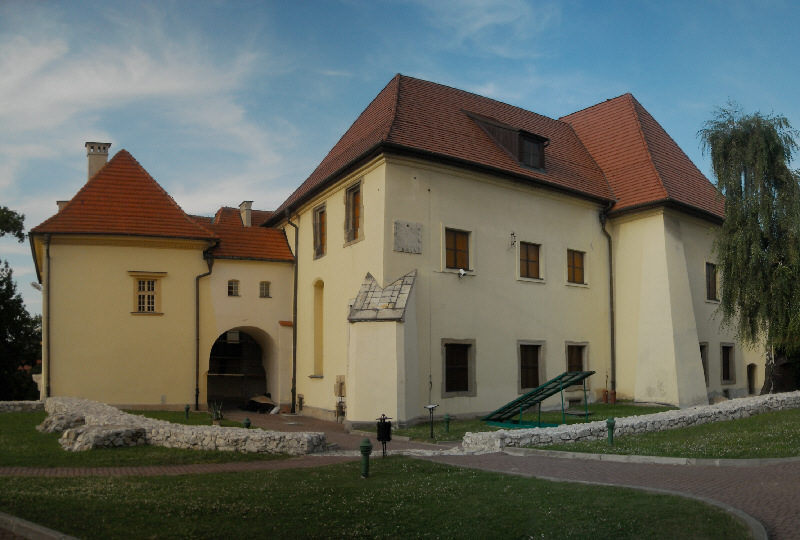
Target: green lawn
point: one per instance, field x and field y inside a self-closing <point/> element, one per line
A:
<point x="403" y="498"/>
<point x="768" y="435"/>
<point x="21" y="445"/>
<point x="598" y="411"/>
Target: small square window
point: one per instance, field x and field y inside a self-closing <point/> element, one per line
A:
<point x="712" y="292"/>
<point x="529" y="260"/>
<point x="233" y="287"/>
<point x="263" y="289"/>
<point x="320" y="231"/>
<point x="575" y="267"/>
<point x="147" y="292"/>
<point x="456" y="249"/>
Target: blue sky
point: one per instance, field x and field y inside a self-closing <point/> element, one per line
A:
<point x="229" y="101"/>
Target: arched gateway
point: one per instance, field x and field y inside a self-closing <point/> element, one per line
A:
<point x="236" y="369"/>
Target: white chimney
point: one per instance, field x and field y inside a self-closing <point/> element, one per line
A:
<point x="61" y="205"/>
<point x="97" y="156"/>
<point x="246" y="210"/>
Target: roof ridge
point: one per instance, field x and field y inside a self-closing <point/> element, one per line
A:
<point x="385" y="136"/>
<point x="632" y="101"/>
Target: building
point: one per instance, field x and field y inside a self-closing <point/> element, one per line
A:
<point x="450" y="249"/>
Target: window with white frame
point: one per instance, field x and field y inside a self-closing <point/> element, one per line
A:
<point x="233" y="287"/>
<point x="263" y="289"/>
<point x="147" y="292"/>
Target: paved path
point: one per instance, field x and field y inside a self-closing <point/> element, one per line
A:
<point x="769" y="493"/>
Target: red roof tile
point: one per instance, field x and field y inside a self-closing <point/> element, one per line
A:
<point x="240" y="242"/>
<point x="641" y="161"/>
<point x="434" y="120"/>
<point x="123" y="199"/>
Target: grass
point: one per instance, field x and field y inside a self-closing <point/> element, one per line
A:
<point x="599" y="411"/>
<point x="403" y="498"/>
<point x="767" y="435"/>
<point x="21" y="445"/>
<point x="179" y="417"/>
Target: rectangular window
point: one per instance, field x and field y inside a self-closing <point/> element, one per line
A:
<point x="531" y="151"/>
<point x="146" y="298"/>
<point x="456" y="367"/>
<point x="233" y="287"/>
<point x="263" y="289"/>
<point x="320" y="231"/>
<point x="728" y="373"/>
<point x="147" y="292"/>
<point x="711" y="282"/>
<point x="456" y="249"/>
<point x="353" y="209"/>
<point x="575" y="267"/>
<point x="575" y="357"/>
<point x="529" y="366"/>
<point x="704" y="360"/>
<point x="529" y="260"/>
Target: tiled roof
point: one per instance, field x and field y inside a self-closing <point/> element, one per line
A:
<point x="433" y="120"/>
<point x="240" y="242"/>
<point x="641" y="161"/>
<point x="123" y="199"/>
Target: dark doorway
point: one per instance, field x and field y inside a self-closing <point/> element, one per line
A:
<point x="751" y="379"/>
<point x="235" y="369"/>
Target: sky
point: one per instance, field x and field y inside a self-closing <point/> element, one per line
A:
<point x="223" y="102"/>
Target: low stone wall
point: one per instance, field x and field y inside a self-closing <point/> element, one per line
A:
<point x="728" y="410"/>
<point x="21" y="406"/>
<point x="89" y="424"/>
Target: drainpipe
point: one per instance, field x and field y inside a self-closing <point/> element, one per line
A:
<point x="294" y="310"/>
<point x="603" y="220"/>
<point x="210" y="263"/>
<point x="47" y="290"/>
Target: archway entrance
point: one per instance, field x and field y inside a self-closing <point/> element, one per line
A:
<point x="235" y="369"/>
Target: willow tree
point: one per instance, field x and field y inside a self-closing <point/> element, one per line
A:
<point x="758" y="245"/>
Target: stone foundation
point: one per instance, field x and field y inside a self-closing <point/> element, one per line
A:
<point x="88" y="424"/>
<point x="733" y="409"/>
<point x="21" y="406"/>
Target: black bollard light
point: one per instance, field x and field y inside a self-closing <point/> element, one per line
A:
<point x="366" y="450"/>
<point x="186" y="411"/>
<point x="430" y="410"/>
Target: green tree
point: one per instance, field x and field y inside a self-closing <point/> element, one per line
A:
<point x="20" y="333"/>
<point x="758" y="245"/>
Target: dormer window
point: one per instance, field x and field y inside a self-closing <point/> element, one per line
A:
<point x="531" y="151"/>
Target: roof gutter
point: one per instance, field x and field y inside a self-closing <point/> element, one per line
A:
<point x="47" y="291"/>
<point x="210" y="262"/>
<point x="288" y="216"/>
<point x="611" y="312"/>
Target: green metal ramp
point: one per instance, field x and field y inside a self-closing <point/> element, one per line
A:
<point x="505" y="415"/>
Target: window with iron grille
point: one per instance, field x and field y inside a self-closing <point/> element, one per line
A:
<point x="711" y="282"/>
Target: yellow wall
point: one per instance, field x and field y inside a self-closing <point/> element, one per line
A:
<point x="99" y="349"/>
<point x="341" y="270"/>
<point x="662" y="311"/>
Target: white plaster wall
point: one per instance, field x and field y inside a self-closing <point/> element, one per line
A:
<point x="258" y="317"/>
<point x="491" y="305"/>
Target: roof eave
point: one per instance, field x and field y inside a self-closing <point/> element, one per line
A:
<point x="386" y="147"/>
<point x="672" y="204"/>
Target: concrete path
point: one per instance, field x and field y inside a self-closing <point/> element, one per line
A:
<point x="770" y="493"/>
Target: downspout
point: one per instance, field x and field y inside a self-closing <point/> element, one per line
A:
<point x="48" y="283"/>
<point x="612" y="317"/>
<point x="210" y="263"/>
<point x="294" y="311"/>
